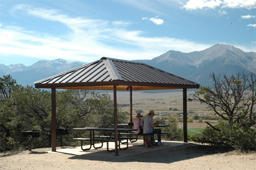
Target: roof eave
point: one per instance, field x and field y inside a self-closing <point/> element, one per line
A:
<point x="117" y="83"/>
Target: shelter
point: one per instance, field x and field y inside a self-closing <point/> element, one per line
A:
<point x="115" y="74"/>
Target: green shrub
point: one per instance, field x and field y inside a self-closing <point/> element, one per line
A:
<point x="229" y="135"/>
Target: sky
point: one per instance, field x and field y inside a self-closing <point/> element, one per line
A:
<point x="86" y="30"/>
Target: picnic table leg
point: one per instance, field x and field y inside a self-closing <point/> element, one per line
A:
<point x="92" y="137"/>
<point x="85" y="148"/>
<point x="108" y="148"/>
<point x="30" y="142"/>
<point x="134" y="140"/>
<point x="120" y="142"/>
<point x="97" y="147"/>
<point x="90" y="143"/>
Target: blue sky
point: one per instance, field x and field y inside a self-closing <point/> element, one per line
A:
<point x="86" y="30"/>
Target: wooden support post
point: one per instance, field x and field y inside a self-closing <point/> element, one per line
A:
<point x="185" y="133"/>
<point x="54" y="119"/>
<point x="115" y="119"/>
<point x="130" y="104"/>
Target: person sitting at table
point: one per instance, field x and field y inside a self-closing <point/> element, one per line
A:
<point x="149" y="127"/>
<point x="137" y="123"/>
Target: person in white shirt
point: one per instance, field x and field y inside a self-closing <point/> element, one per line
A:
<point x="137" y="123"/>
<point x="149" y="127"/>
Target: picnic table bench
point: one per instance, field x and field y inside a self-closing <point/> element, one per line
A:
<point x="100" y="139"/>
<point x="134" y="139"/>
<point x="92" y="143"/>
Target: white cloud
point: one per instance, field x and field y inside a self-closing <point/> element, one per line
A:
<point x="0" y="24"/>
<point x="121" y="23"/>
<point x="87" y="39"/>
<point x="248" y="16"/>
<point x="222" y="12"/>
<point x="252" y="25"/>
<point x="154" y="20"/>
<point x="212" y="4"/>
<point x="201" y="4"/>
<point x="248" y="4"/>
<point x="157" y="21"/>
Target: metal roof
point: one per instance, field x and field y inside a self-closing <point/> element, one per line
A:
<point x="107" y="72"/>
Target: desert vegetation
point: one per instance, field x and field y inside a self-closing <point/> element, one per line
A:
<point x="222" y="115"/>
<point x="232" y="99"/>
<point x="27" y="108"/>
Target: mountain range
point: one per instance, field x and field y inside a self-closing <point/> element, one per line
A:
<point x="195" y="66"/>
<point x="27" y="75"/>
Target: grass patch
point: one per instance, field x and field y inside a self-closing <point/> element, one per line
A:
<point x="193" y="131"/>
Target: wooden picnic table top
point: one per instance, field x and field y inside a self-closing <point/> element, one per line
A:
<point x="159" y="125"/>
<point x="104" y="129"/>
<point x="162" y="125"/>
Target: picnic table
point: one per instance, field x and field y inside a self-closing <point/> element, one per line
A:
<point x="162" y="125"/>
<point x="127" y="125"/>
<point x="106" y="138"/>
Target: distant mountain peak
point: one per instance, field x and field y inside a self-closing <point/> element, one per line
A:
<point x="218" y="59"/>
<point x="222" y="47"/>
<point x="59" y="61"/>
<point x="27" y="75"/>
<point x="51" y="63"/>
<point x="195" y="66"/>
<point x="11" y="66"/>
<point x="56" y="61"/>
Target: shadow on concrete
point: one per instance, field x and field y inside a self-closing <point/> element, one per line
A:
<point x="159" y="154"/>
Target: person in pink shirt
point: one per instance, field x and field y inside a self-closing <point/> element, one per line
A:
<point x="137" y="123"/>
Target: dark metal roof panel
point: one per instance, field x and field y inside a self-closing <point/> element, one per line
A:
<point x="140" y="72"/>
<point x="84" y="73"/>
<point x="87" y="72"/>
<point x="108" y="69"/>
<point x="73" y="75"/>
<point x="103" y="77"/>
<point x="81" y="74"/>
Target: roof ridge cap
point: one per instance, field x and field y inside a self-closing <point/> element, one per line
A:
<point x="112" y="70"/>
<point x="115" y="59"/>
